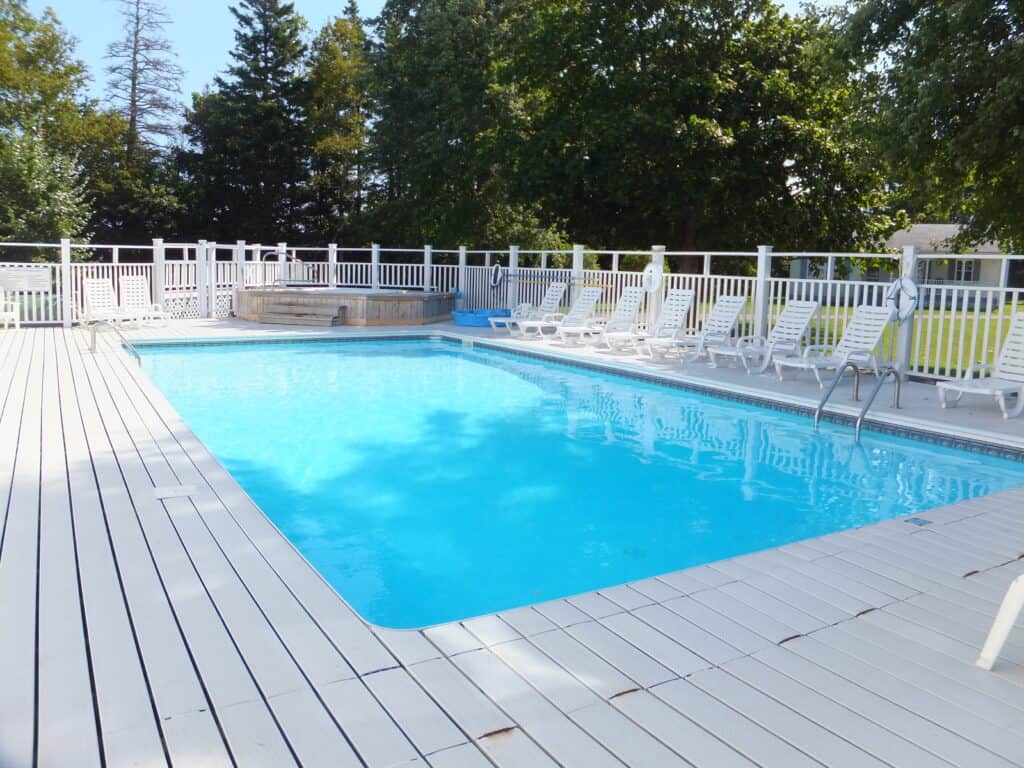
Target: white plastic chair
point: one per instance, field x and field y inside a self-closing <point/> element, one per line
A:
<point x="785" y="337"/>
<point x="860" y="337"/>
<point x="623" y="319"/>
<point x="718" y="328"/>
<point x="1009" y="610"/>
<point x="100" y="303"/>
<point x="10" y="310"/>
<point x="136" y="300"/>
<point x="1006" y="379"/>
<point x="579" y="315"/>
<point x="549" y="304"/>
<point x="670" y="324"/>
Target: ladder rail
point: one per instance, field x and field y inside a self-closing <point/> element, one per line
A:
<point x="885" y="374"/>
<point x="832" y="388"/>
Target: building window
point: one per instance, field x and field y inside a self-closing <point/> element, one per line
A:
<point x="963" y="271"/>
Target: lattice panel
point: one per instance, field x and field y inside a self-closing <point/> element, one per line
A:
<point x="182" y="305"/>
<point x="224" y="304"/>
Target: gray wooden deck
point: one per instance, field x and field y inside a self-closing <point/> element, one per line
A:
<point x="150" y="614"/>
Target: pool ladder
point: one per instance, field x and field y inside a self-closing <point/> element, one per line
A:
<point x="127" y="345"/>
<point x="885" y="372"/>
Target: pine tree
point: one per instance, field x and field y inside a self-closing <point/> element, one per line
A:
<point x="249" y="148"/>
<point x="338" y="113"/>
<point x="144" y="78"/>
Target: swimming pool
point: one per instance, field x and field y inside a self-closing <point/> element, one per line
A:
<point x="429" y="482"/>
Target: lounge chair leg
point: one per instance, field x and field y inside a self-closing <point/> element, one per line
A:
<point x="1009" y="610"/>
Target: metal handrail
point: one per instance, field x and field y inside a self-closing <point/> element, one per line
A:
<point x="832" y="387"/>
<point x="94" y="327"/>
<point x="885" y="373"/>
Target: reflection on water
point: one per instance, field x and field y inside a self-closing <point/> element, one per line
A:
<point x="428" y="482"/>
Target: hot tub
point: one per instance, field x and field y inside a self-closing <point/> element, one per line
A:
<point x="343" y="306"/>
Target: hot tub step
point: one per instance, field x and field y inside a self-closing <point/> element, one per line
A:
<point x="298" y="308"/>
<point x="294" y="318"/>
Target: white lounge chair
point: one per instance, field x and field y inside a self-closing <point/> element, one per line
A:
<point x="718" y="328"/>
<point x="785" y="337"/>
<point x="10" y="310"/>
<point x="623" y="319"/>
<point x="579" y="314"/>
<point x="136" y="300"/>
<point x="549" y="305"/>
<point x="857" y="345"/>
<point x="671" y="322"/>
<point x="1006" y="376"/>
<point x="100" y="303"/>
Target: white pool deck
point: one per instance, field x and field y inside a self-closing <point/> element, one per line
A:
<point x="150" y="614"/>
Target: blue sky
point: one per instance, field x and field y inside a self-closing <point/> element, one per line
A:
<point x="201" y="31"/>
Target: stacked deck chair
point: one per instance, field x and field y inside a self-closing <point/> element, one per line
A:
<point x="579" y="315"/>
<point x="860" y="337"/>
<point x="548" y="306"/>
<point x="623" y="319"/>
<point x="718" y="328"/>
<point x="785" y="338"/>
<point x="670" y="324"/>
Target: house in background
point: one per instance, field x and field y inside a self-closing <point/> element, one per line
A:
<point x="932" y="239"/>
<point x="981" y="266"/>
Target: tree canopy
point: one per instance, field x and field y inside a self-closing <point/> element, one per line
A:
<point x="714" y="124"/>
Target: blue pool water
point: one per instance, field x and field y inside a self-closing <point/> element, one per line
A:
<point x="429" y="482"/>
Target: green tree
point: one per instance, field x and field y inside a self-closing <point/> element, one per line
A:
<point x="245" y="168"/>
<point x="42" y="192"/>
<point x="440" y="181"/>
<point x="42" y="196"/>
<point x="946" y="79"/>
<point x="337" y="118"/>
<point x="708" y="125"/>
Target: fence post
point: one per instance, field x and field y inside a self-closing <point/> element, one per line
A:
<point x="487" y="258"/>
<point x="428" y="268"/>
<point x="282" y="262"/>
<point x="375" y="266"/>
<point x="332" y="265"/>
<point x="761" y="305"/>
<point x="615" y="259"/>
<point x="65" y="281"/>
<point x="115" y="255"/>
<point x="512" y="295"/>
<point x="462" y="271"/>
<point x="908" y="268"/>
<point x="239" y="259"/>
<point x="655" y="299"/>
<point x="707" y="264"/>
<point x="543" y="259"/>
<point x="211" y="279"/>
<point x="577" y="271"/>
<point x="201" y="278"/>
<point x="159" y="258"/>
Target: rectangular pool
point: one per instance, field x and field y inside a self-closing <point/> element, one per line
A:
<point x="429" y="482"/>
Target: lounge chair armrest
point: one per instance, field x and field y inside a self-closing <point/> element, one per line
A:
<point x="818" y="349"/>
<point x="752" y="341"/>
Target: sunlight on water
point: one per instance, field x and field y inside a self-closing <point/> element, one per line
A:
<point x="428" y="482"/>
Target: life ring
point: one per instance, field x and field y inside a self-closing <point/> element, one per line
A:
<point x="497" y="276"/>
<point x="902" y="288"/>
<point x="652" y="278"/>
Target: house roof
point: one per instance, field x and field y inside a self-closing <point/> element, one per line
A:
<point x="934" y="238"/>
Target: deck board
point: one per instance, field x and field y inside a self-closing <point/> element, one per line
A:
<point x="187" y="630"/>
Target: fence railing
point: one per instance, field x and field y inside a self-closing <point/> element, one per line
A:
<point x="957" y="324"/>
